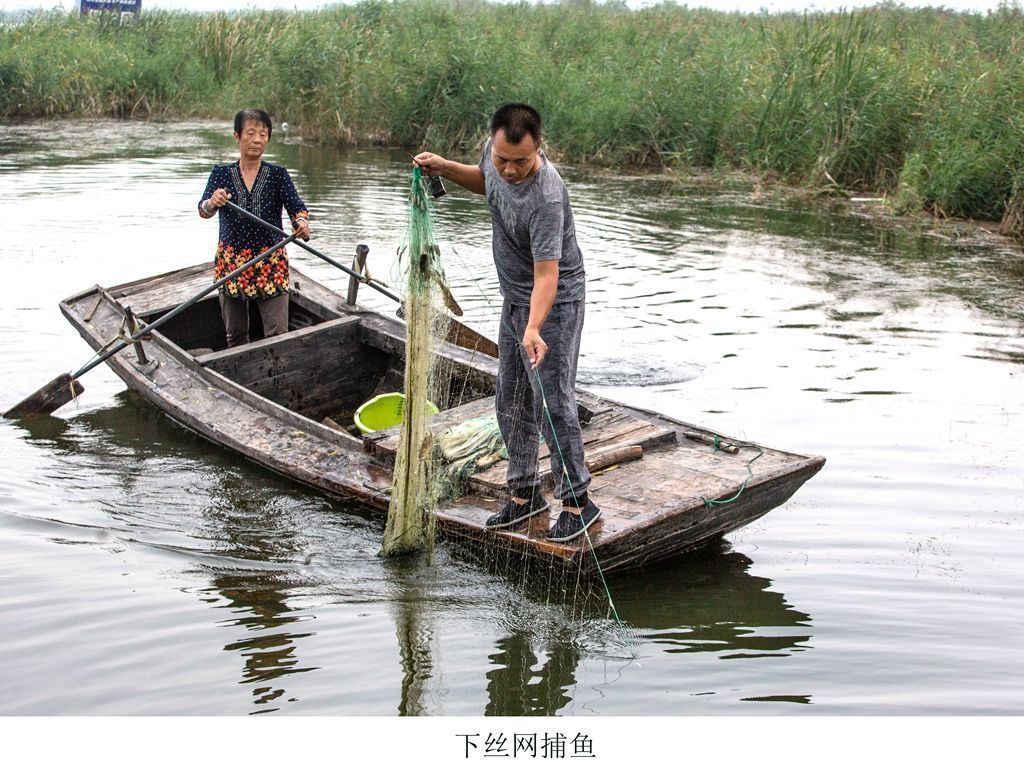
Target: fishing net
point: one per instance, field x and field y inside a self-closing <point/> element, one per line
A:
<point x="464" y="449"/>
<point x="434" y="468"/>
<point x="410" y="524"/>
<point x="429" y="469"/>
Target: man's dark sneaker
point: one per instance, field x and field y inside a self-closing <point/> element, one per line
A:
<point x="569" y="525"/>
<point x="512" y="513"/>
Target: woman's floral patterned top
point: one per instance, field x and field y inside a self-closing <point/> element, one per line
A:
<point x="241" y="239"/>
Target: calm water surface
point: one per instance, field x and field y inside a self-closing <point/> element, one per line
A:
<point x="144" y="571"/>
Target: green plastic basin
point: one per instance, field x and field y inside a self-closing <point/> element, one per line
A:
<point x="384" y="411"/>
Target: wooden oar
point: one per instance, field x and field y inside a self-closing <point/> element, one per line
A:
<point x="362" y="278"/>
<point x="459" y="333"/>
<point x="60" y="390"/>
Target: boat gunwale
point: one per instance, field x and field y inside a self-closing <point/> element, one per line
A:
<point x="787" y="478"/>
<point x="144" y="384"/>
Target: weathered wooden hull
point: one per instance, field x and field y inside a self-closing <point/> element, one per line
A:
<point x="266" y="401"/>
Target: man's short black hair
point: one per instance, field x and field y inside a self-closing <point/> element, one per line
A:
<point x="517" y="120"/>
<point x="253" y="115"/>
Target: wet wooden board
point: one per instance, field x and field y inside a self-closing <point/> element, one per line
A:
<point x="315" y="346"/>
<point x="215" y="407"/>
<point x="607" y="429"/>
<point x="165" y="292"/>
<point x="317" y="372"/>
<point x="611" y="426"/>
<point x="636" y="493"/>
<point x="651" y="509"/>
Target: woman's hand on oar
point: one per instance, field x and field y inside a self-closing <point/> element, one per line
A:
<point x="301" y="226"/>
<point x="219" y="198"/>
<point x="363" y="278"/>
<point x="480" y="342"/>
<point x="211" y="205"/>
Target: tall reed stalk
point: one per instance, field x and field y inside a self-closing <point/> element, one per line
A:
<point x="924" y="104"/>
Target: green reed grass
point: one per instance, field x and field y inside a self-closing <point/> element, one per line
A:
<point x="924" y="104"/>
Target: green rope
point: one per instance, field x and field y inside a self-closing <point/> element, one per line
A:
<point x="604" y="583"/>
<point x="590" y="543"/>
<point x="750" y="472"/>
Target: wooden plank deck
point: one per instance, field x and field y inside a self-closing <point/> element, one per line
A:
<point x="164" y="291"/>
<point x="651" y="508"/>
<point x="611" y="427"/>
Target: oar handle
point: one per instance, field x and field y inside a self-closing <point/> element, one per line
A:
<point x="464" y="335"/>
<point x="362" y="278"/>
<point x="181" y="307"/>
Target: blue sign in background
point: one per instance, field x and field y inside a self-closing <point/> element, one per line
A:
<point x="124" y="6"/>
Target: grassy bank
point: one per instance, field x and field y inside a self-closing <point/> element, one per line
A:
<point x="924" y="104"/>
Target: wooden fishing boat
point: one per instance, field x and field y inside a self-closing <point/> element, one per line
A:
<point x="288" y="402"/>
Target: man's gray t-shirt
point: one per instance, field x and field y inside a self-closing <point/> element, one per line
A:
<point x="530" y="222"/>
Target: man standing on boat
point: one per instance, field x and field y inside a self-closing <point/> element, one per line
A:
<point x="540" y="272"/>
<point x="263" y="189"/>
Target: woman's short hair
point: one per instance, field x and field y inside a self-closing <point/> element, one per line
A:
<point x="253" y="115"/>
<point x="517" y="120"/>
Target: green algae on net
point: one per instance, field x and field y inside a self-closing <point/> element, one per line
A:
<point x="410" y="524"/>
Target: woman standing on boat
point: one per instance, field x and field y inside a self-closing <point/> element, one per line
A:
<point x="263" y="189"/>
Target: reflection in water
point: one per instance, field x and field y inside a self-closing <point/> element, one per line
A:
<point x="704" y="603"/>
<point x="247" y="528"/>
<point x="519" y="686"/>
<point x="248" y="525"/>
<point x="129" y="427"/>
<point x="269" y="652"/>
<point x="415" y="636"/>
<point x="46" y="430"/>
<point x="533" y="607"/>
<point x="716" y="606"/>
<point x="696" y="224"/>
<point x="417" y="664"/>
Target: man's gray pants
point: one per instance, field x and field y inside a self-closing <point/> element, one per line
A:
<point x="521" y="396"/>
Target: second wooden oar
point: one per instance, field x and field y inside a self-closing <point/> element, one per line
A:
<point x="60" y="390"/>
<point x="462" y="333"/>
<point x="362" y="278"/>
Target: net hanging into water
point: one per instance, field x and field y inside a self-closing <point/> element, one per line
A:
<point x="430" y="469"/>
<point x="410" y="524"/>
